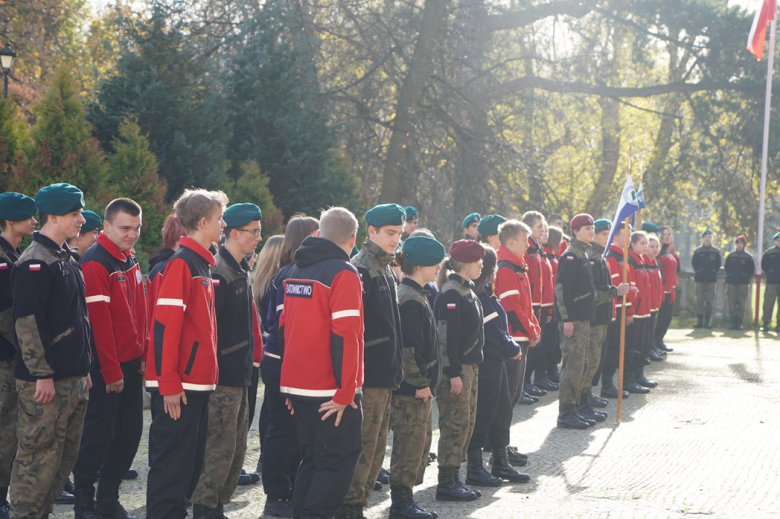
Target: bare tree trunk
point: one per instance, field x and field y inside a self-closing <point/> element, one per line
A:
<point x="398" y="168"/>
<point x="610" y="154"/>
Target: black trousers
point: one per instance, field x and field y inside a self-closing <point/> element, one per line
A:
<point x="281" y="452"/>
<point x="176" y="452"/>
<point x="252" y="396"/>
<point x="636" y="339"/>
<point x="665" y="315"/>
<point x="112" y="428"/>
<point x="548" y="350"/>
<point x="649" y="341"/>
<point x="612" y="355"/>
<point x="494" y="407"/>
<point x="329" y="455"/>
<point x="603" y="359"/>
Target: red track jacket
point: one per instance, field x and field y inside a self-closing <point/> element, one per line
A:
<point x="615" y="261"/>
<point x="669" y="267"/>
<point x="514" y="292"/>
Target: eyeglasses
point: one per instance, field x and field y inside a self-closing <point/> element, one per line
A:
<point x="255" y="232"/>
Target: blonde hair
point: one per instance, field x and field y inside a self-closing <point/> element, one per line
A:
<point x="338" y="225"/>
<point x="266" y="267"/>
<point x="448" y="266"/>
<point x="195" y="204"/>
<point x="510" y="229"/>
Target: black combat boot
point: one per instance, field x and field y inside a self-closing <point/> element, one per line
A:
<point x="501" y="468"/>
<point x="516" y="459"/>
<point x="5" y="506"/>
<point x="277" y="506"/>
<point x="108" y="505"/>
<point x="204" y="512"/>
<point x="450" y="489"/>
<point x="766" y="327"/>
<point x="643" y="381"/>
<point x="84" y="507"/>
<point x="630" y="385"/>
<point x="700" y="322"/>
<point x="597" y="402"/>
<point x="585" y="411"/>
<point x="568" y="419"/>
<point x="403" y="505"/>
<point x="707" y="323"/>
<point x="384" y="476"/>
<point x="546" y="384"/>
<point x="476" y="474"/>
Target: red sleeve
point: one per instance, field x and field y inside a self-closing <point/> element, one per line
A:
<point x="512" y="298"/>
<point x="616" y="273"/>
<point x="151" y="304"/>
<point x="258" y="336"/>
<point x="172" y="299"/>
<point x="632" y="280"/>
<point x="346" y="306"/>
<point x="98" y="292"/>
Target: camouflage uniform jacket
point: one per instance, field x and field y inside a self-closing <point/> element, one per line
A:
<point x="50" y="313"/>
<point x="575" y="294"/>
<point x="8" y="256"/>
<point x="382" y="335"/>
<point x="421" y="354"/>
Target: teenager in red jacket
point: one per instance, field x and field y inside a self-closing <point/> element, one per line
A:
<point x="534" y="257"/>
<point x="321" y="342"/>
<point x="670" y="266"/>
<point x="657" y="285"/>
<point x="514" y="292"/>
<point x="637" y="338"/>
<point x="117" y="311"/>
<point x="181" y="370"/>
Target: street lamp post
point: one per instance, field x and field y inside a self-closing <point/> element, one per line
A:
<point x="7" y="56"/>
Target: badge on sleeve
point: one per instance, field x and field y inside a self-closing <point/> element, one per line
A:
<point x="35" y="266"/>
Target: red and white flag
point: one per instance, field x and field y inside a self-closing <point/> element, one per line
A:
<point x="764" y="17"/>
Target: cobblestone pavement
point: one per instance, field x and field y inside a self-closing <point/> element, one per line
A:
<point x="704" y="443"/>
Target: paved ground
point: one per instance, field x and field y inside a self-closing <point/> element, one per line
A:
<point x="705" y="442"/>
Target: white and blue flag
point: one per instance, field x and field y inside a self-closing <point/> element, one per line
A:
<point x="628" y="205"/>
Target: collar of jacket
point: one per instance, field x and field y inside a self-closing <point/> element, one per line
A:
<point x="488" y="289"/>
<point x="4" y="245"/>
<point x="636" y="257"/>
<point x="616" y="249"/>
<point x="228" y="258"/>
<point x="648" y="260"/>
<point x="61" y="251"/>
<point x="460" y="279"/>
<point x="413" y="284"/>
<point x="375" y="251"/>
<point x="598" y="249"/>
<point x="111" y="247"/>
<point x="533" y="246"/>
<point x="504" y="254"/>
<point x="198" y="249"/>
<point x="579" y="246"/>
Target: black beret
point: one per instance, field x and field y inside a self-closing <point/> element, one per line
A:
<point x="16" y="207"/>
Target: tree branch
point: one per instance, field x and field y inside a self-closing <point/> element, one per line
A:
<point x="578" y="87"/>
<point x="524" y="17"/>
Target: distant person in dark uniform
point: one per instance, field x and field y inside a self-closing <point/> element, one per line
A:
<point x="706" y="262"/>
<point x="739" y="271"/>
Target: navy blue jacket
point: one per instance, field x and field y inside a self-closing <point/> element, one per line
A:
<point x="8" y="256"/>
<point x="498" y="343"/>
<point x="275" y="306"/>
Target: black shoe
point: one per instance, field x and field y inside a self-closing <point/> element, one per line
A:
<point x="384" y="476"/>
<point x="450" y="489"/>
<point x="589" y="415"/>
<point x="204" y="512"/>
<point x="597" y="402"/>
<point x="633" y="387"/>
<point x="107" y="503"/>
<point x="739" y="327"/>
<point x="766" y="327"/>
<point x="277" y="506"/>
<point x="84" y="506"/>
<point x="516" y="459"/>
<point x="248" y="478"/>
<point x="644" y="382"/>
<point x="664" y="347"/>
<point x="646" y="361"/>
<point x="517" y="452"/>
<point x="476" y="473"/>
<point x="571" y="421"/>
<point x="5" y="511"/>
<point x="377" y="486"/>
<point x="347" y="511"/>
<point x="546" y="384"/>
<point x="403" y="505"/>
<point x="699" y="322"/>
<point x="501" y="468"/>
<point x="187" y="502"/>
<point x="131" y="474"/>
<point x="532" y="397"/>
<point x="532" y="390"/>
<point x="553" y="376"/>
<point x="654" y="356"/>
<point x="589" y="421"/>
<point x="65" y="498"/>
<point x="526" y="400"/>
<point x="707" y="323"/>
<point x="612" y="392"/>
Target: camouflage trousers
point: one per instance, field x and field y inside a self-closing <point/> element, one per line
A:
<point x="705" y="297"/>
<point x="376" y="422"/>
<point x="457" y="416"/>
<point x="575" y="362"/>
<point x="412" y="436"/>
<point x="596" y="335"/>
<point x="8" y="412"/>
<point x="49" y="436"/>
<point x="771" y="293"/>
<point x="737" y="295"/>
<point x="226" y="446"/>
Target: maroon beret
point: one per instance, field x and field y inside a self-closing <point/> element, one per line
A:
<point x="740" y="238"/>
<point x="581" y="220"/>
<point x="467" y="251"/>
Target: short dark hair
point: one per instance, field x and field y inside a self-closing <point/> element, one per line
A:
<point x="554" y="216"/>
<point x="2" y="224"/>
<point x="121" y="205"/>
<point x="530" y="217"/>
<point x="43" y="218"/>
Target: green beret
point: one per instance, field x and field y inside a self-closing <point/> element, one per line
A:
<point x="16" y="207"/>
<point x="472" y="218"/>
<point x="59" y="199"/>
<point x="238" y="215"/>
<point x="706" y="232"/>
<point x="386" y="214"/>
<point x="602" y="225"/>
<point x="411" y="213"/>
<point x="93" y="221"/>
<point x="354" y="251"/>
<point x="650" y="227"/>
<point x="423" y="251"/>
<point x="776" y="236"/>
<point x="488" y="226"/>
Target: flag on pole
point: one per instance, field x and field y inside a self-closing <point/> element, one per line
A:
<point x="627" y="206"/>
<point x="763" y="18"/>
<point x="640" y="198"/>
